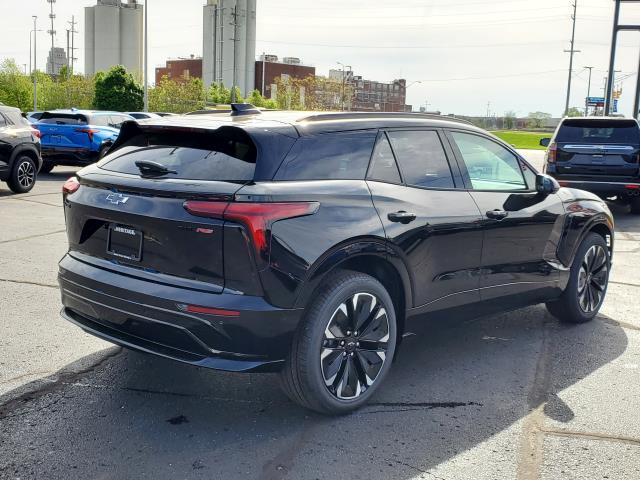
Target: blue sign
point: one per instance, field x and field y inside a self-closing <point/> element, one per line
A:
<point x="594" y="100"/>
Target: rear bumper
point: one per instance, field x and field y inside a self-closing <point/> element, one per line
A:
<point x="146" y="316"/>
<point x="68" y="156"/>
<point x="601" y="187"/>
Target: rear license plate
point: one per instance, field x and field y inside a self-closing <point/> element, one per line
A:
<point x="124" y="242"/>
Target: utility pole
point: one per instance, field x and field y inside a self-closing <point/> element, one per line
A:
<point x="571" y="52"/>
<point x="234" y="24"/>
<point x="35" y="63"/>
<point x="264" y="59"/>
<point x="146" y="56"/>
<point x="72" y="31"/>
<point x="52" y="32"/>
<point x="586" y="101"/>
<point x="636" y="102"/>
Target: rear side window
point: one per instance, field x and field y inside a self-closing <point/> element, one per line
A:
<point x="599" y="131"/>
<point x="100" y="120"/>
<point x="63" y="119"/>
<point x="422" y="158"/>
<point x="329" y="156"/>
<point x="227" y="154"/>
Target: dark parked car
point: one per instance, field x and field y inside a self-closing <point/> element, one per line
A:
<point x="77" y="137"/>
<point x="305" y="243"/>
<point x="598" y="154"/>
<point x="19" y="150"/>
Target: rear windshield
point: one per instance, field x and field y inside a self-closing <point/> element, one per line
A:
<point x="63" y="118"/>
<point x="603" y="131"/>
<point x="227" y="154"/>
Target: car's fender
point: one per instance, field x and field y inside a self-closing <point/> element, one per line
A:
<point x="25" y="147"/>
<point x="341" y="254"/>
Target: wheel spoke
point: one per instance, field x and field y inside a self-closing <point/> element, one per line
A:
<point x="596" y="285"/>
<point x="377" y="326"/>
<point x="338" y="379"/>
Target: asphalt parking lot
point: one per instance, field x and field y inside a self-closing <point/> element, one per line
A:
<point x="512" y="396"/>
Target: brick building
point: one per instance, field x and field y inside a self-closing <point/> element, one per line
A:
<point x="289" y="66"/>
<point x="372" y="96"/>
<point x="180" y="69"/>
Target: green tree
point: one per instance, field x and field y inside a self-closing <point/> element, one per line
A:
<point x="15" y="87"/>
<point x="509" y="119"/>
<point x="177" y="97"/>
<point x="117" y="90"/>
<point x="575" y="112"/>
<point x="538" y="119"/>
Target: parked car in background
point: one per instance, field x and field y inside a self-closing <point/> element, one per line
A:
<point x="143" y="115"/>
<point x="597" y="154"/>
<point x="19" y="150"/>
<point x="77" y="137"/>
<point x="33" y="117"/>
<point x="166" y="114"/>
<point x="304" y="243"/>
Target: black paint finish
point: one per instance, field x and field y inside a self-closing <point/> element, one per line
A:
<point x="438" y="251"/>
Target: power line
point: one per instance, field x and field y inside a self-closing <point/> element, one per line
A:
<point x="491" y="77"/>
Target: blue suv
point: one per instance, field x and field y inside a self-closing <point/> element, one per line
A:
<point x="77" y="137"/>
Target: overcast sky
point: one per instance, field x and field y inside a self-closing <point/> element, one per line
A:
<point x="466" y="53"/>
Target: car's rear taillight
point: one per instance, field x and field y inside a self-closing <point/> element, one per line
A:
<point x="70" y="186"/>
<point x="552" y="152"/>
<point x="257" y="217"/>
<point x="36" y="133"/>
<point x="89" y="131"/>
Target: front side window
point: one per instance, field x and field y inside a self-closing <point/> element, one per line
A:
<point x="422" y="158"/>
<point x="490" y="165"/>
<point x="329" y="156"/>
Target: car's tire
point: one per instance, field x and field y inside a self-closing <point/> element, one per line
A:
<point x="23" y="175"/>
<point x="46" y="167"/>
<point x="635" y="205"/>
<point x="333" y="368"/>
<point x="588" y="280"/>
<point x="104" y="149"/>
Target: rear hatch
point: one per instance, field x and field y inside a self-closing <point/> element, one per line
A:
<point x="65" y="130"/>
<point x="598" y="147"/>
<point x="128" y="213"/>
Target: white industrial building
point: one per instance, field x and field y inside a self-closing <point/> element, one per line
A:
<point x="229" y="43"/>
<point x="56" y="60"/>
<point x="114" y="36"/>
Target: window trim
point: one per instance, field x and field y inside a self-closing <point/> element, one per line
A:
<point x="448" y="154"/>
<point x="463" y="166"/>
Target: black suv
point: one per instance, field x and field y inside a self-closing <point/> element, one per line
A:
<point x="598" y="154"/>
<point x="19" y="150"/>
<point x="304" y="243"/>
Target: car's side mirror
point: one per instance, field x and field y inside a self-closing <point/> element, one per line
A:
<point x="546" y="184"/>
<point x="544" y="142"/>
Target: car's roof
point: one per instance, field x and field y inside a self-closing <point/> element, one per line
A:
<point x="7" y="108"/>
<point x="307" y="123"/>
<point x="73" y="111"/>
<point x="597" y="119"/>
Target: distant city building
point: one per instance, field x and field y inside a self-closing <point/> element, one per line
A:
<point x="56" y="60"/>
<point x="229" y="43"/>
<point x="269" y="65"/>
<point x="180" y="69"/>
<point x="113" y="36"/>
<point x="372" y="96"/>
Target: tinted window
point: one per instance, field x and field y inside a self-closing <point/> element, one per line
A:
<point x="228" y="154"/>
<point x="117" y="120"/>
<point x="63" y="118"/>
<point x="422" y="158"/>
<point x="383" y="164"/>
<point x="329" y="156"/>
<point x="599" y="131"/>
<point x="139" y="115"/>
<point x="490" y="165"/>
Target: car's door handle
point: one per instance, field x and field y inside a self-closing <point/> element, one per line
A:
<point x="497" y="214"/>
<point x="402" y="217"/>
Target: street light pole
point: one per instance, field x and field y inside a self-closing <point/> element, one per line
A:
<point x="35" y="63"/>
<point x="586" y="102"/>
<point x="146" y="56"/>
